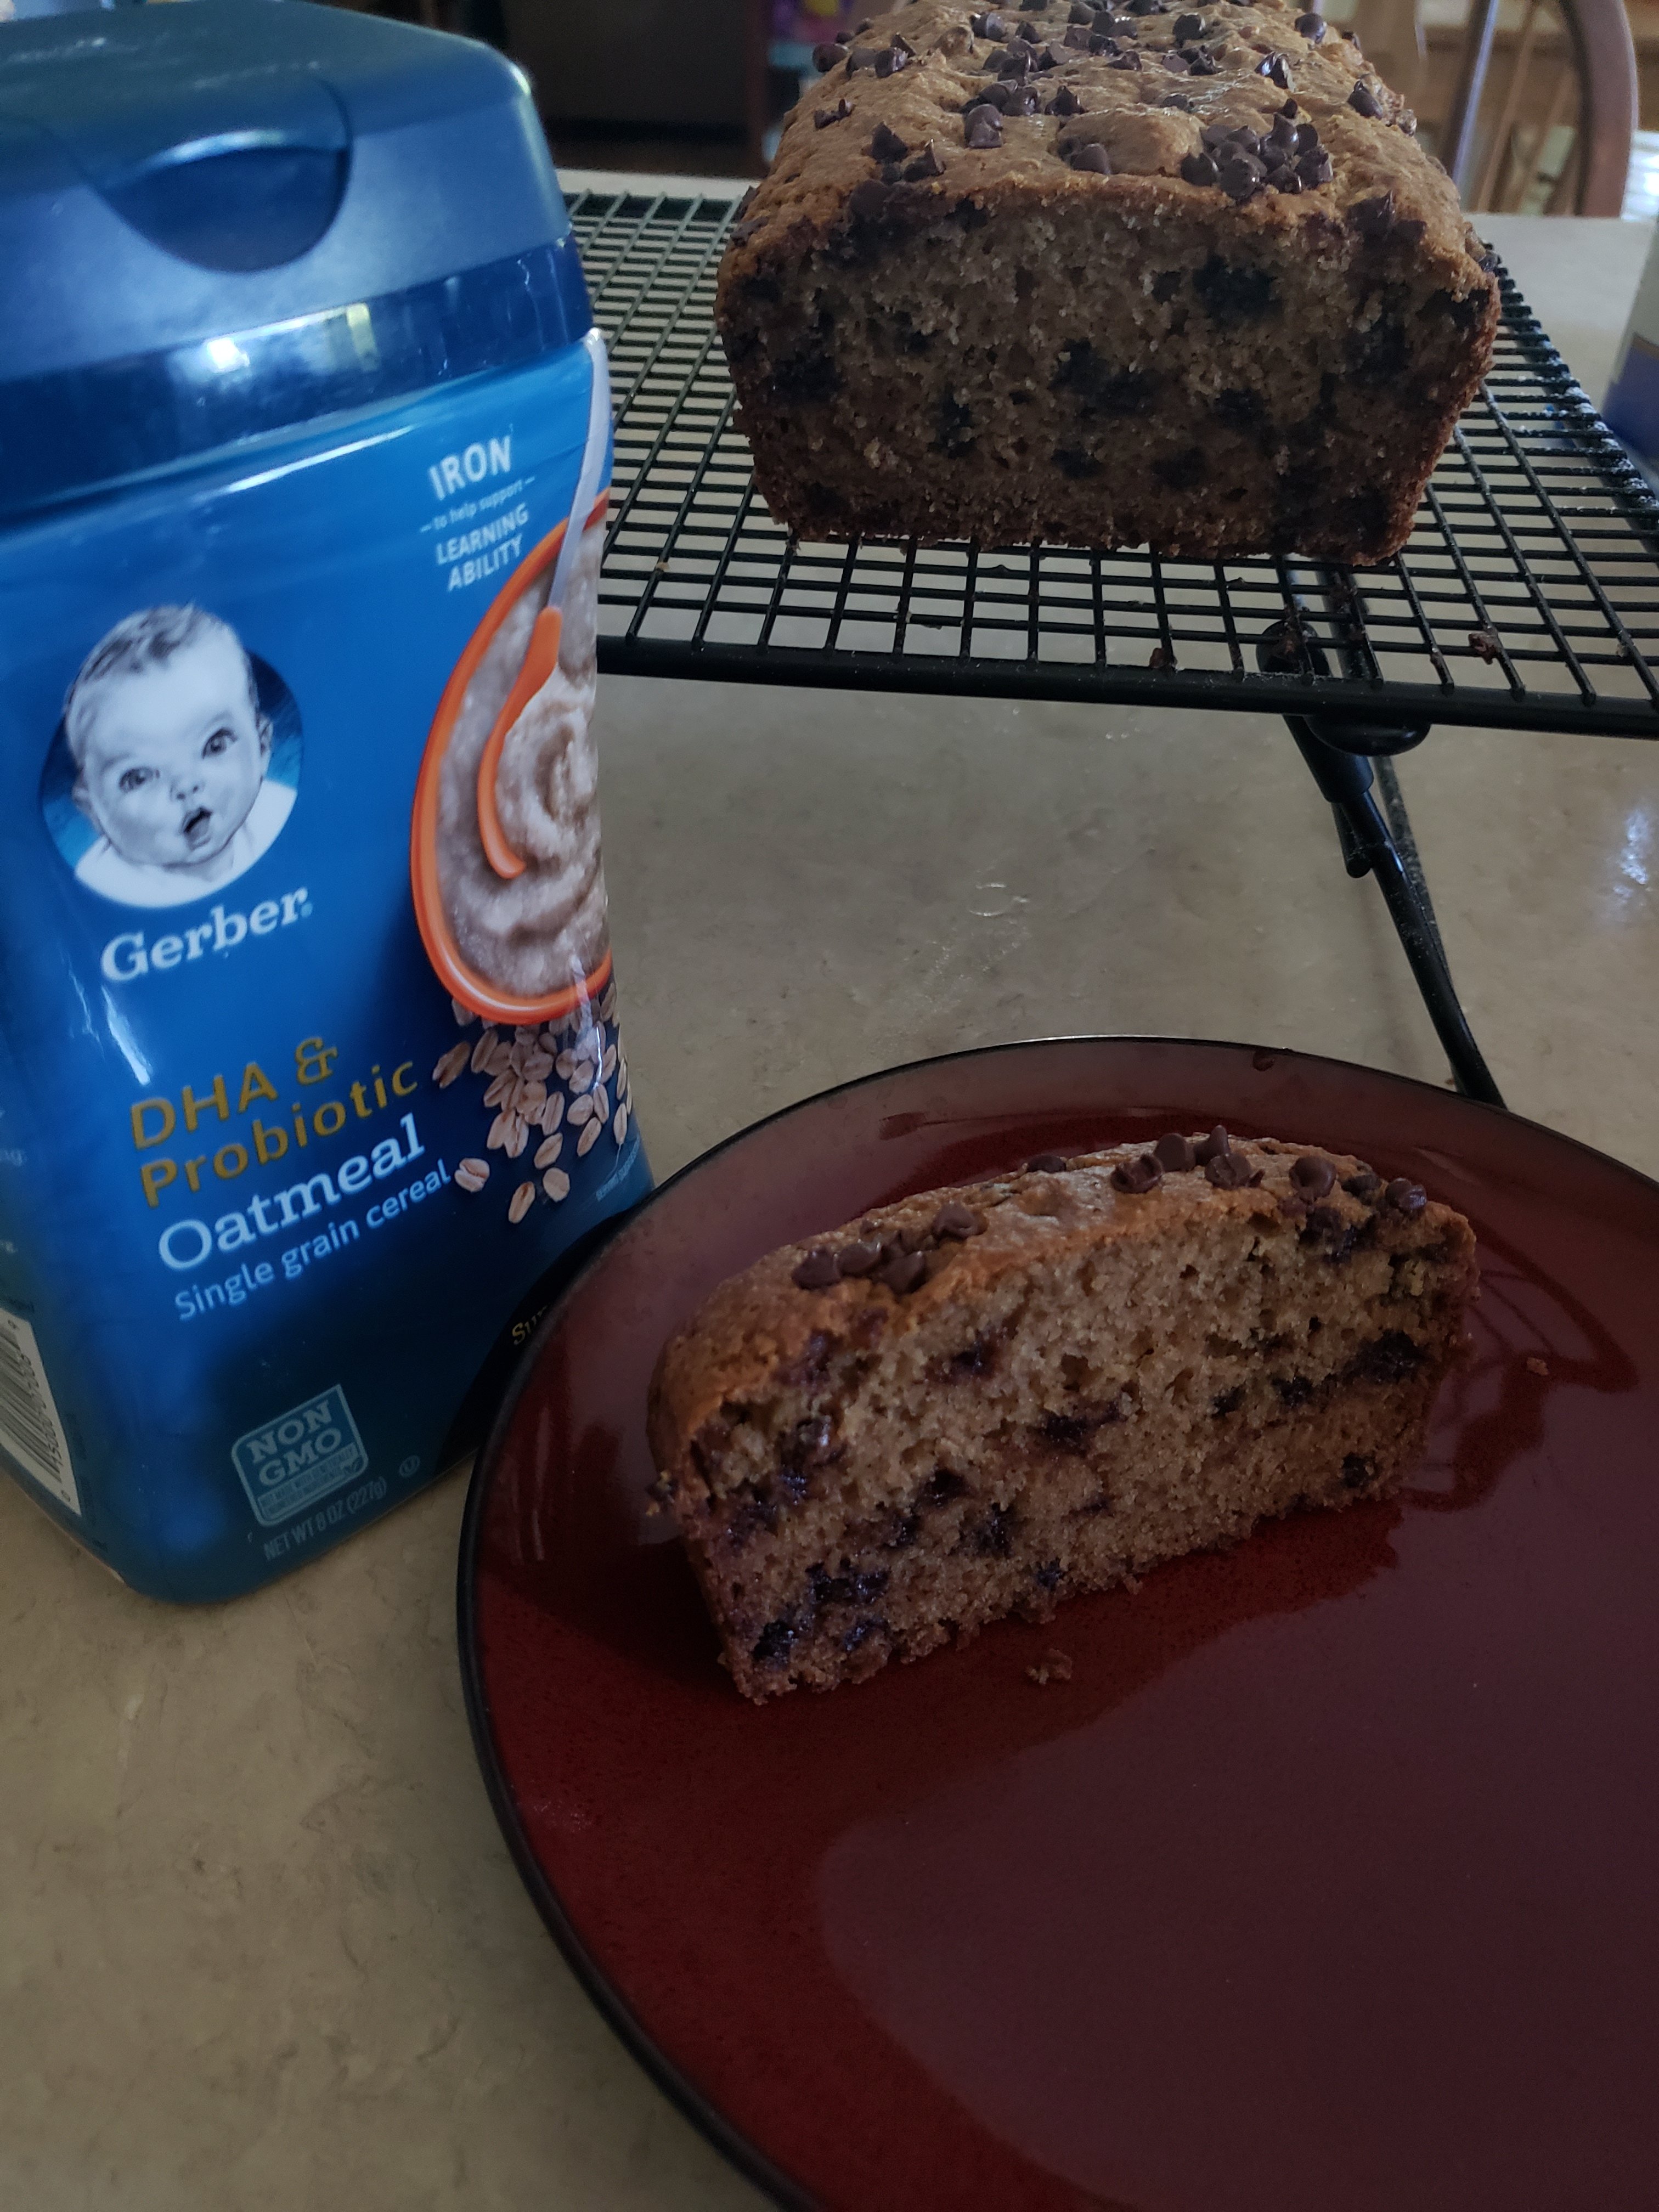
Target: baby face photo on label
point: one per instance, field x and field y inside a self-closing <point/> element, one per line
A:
<point x="172" y="766"/>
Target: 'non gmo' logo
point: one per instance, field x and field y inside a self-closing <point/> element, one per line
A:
<point x="300" y="1457"/>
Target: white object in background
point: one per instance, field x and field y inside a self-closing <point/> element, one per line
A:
<point x="1631" y="408"/>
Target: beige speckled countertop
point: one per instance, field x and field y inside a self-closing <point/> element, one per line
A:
<point x="261" y="1946"/>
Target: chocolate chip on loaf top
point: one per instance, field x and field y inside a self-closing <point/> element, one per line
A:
<point x="1257" y="103"/>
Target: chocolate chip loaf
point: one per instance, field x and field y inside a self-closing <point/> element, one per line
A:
<point x="1137" y="272"/>
<point x="978" y="1401"/>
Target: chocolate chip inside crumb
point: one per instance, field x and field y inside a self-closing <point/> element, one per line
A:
<point x="1365" y="1184"/>
<point x="1363" y="100"/>
<point x="1047" y="1163"/>
<point x="887" y="146"/>
<point x="1174" y="1153"/>
<point x="955" y="1220"/>
<point x="1137" y="1175"/>
<point x="1215" y="1146"/>
<point x="1406" y="1196"/>
<point x="1094" y="158"/>
<point x="983" y="131"/>
<point x="772" y="1645"/>
<point x="1373" y="218"/>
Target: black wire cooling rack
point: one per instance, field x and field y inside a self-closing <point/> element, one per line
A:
<point x="1537" y="537"/>
<point x="1527" y="598"/>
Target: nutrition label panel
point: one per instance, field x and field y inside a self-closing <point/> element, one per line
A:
<point x="30" y="1429"/>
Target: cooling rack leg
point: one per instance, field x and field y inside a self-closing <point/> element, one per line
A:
<point x="1369" y="847"/>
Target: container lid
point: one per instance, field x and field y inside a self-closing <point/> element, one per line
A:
<point x="365" y="208"/>
<point x="170" y="173"/>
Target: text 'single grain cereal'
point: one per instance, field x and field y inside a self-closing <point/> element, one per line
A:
<point x="310" y="1062"/>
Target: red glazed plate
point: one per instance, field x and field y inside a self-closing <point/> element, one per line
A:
<point x="1328" y="1878"/>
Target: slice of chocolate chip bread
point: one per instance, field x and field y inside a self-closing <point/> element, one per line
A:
<point x="980" y="1400"/>
<point x="1104" y="275"/>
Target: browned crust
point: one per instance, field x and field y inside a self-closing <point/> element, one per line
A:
<point x="803" y="201"/>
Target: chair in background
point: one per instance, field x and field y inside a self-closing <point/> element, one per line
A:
<point x="1393" y="33"/>
<point x="1540" y="111"/>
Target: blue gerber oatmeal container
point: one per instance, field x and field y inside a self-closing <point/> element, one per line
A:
<point x="310" y="1069"/>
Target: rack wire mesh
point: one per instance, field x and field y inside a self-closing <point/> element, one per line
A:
<point x="1528" y="596"/>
